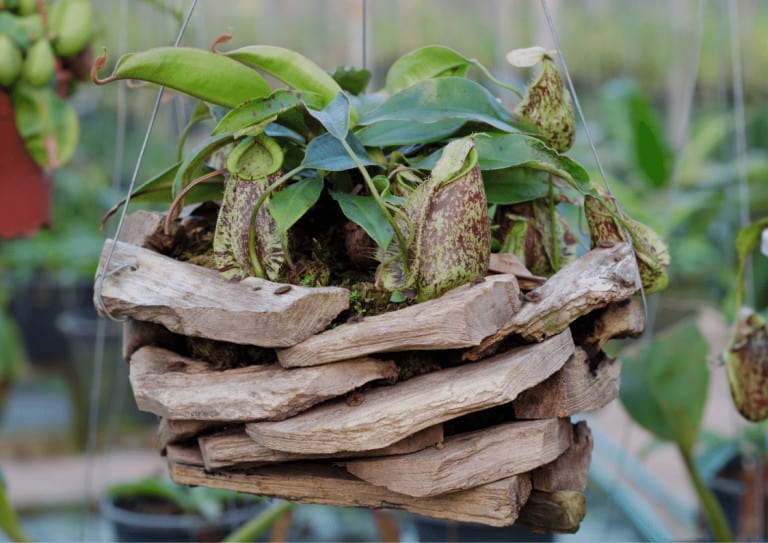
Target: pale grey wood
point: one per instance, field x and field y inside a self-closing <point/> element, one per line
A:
<point x="576" y="388"/>
<point x="593" y="280"/>
<point x="494" y="504"/>
<point x="509" y="263"/>
<point x="389" y="414"/>
<point x="616" y="320"/>
<point x="468" y="460"/>
<point x="234" y="448"/>
<point x="195" y="301"/>
<point x="460" y="318"/>
<point x="177" y="387"/>
<point x="141" y="225"/>
<point x="556" y="512"/>
<point x="570" y="470"/>
<point x="174" y="431"/>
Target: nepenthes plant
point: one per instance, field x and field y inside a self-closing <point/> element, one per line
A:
<point x="412" y="185"/>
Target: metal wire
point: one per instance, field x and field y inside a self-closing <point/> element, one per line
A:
<point x="591" y="142"/>
<point x="99" y="286"/>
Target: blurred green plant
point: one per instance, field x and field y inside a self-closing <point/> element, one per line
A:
<point x="9" y="521"/>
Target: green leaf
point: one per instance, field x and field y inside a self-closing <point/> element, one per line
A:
<point x="427" y="62"/>
<point x="335" y="116"/>
<point x="189" y="169"/>
<point x="364" y="211"/>
<point x="255" y="111"/>
<point x="351" y="79"/>
<point x="389" y="133"/>
<point x="514" y="185"/>
<point x="664" y="386"/>
<point x="290" y="204"/>
<point x="443" y="99"/>
<point x="652" y="155"/>
<point x="327" y="153"/>
<point x="748" y="238"/>
<point x="196" y="72"/>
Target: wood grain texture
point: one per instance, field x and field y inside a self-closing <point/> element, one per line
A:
<point x="180" y="388"/>
<point x="460" y="318"/>
<point x="175" y="431"/>
<point x="468" y="460"/>
<point x="195" y="301"/>
<point x="509" y="263"/>
<point x="554" y="512"/>
<point x="576" y="388"/>
<point x="494" y="504"/>
<point x="570" y="470"/>
<point x="389" y="414"/>
<point x="616" y="320"/>
<point x="593" y="280"/>
<point x="138" y="334"/>
<point x="234" y="448"/>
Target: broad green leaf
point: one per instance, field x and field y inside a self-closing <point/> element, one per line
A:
<point x="335" y="116"/>
<point x="427" y="62"/>
<point x="327" y="153"/>
<point x="652" y="155"/>
<point x="199" y="73"/>
<point x="290" y="204"/>
<point x="364" y="211"/>
<point x="664" y="385"/>
<point x="514" y="185"/>
<point x="390" y="133"/>
<point x="188" y="170"/>
<point x="351" y="79"/>
<point x="254" y="111"/>
<point x="442" y="99"/>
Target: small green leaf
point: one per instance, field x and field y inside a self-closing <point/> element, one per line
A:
<point x="390" y="133"/>
<point x="514" y="185"/>
<point x="427" y="62"/>
<point x="664" y="386"/>
<point x="254" y="111"/>
<point x="652" y="154"/>
<point x="748" y="238"/>
<point x="442" y="99"/>
<point x="364" y="211"/>
<point x="290" y="204"/>
<point x="327" y="153"/>
<point x="351" y="79"/>
<point x="335" y="116"/>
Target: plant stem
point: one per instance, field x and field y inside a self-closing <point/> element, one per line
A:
<point x="382" y="206"/>
<point x="258" y="268"/>
<point x="170" y="216"/>
<point x="715" y="517"/>
<point x="259" y="524"/>
<point x="477" y="64"/>
<point x="9" y="522"/>
<point x="553" y="225"/>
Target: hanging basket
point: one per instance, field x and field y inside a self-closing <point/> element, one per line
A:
<point x="483" y="434"/>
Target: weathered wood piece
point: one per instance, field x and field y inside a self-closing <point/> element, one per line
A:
<point x="554" y="512"/>
<point x="495" y="504"/>
<point x="155" y="288"/>
<point x="616" y="320"/>
<point x="468" y="460"/>
<point x="184" y="454"/>
<point x="575" y="388"/>
<point x="389" y="414"/>
<point x="140" y="226"/>
<point x="460" y="318"/>
<point x="570" y="470"/>
<point x="235" y="448"/>
<point x="593" y="280"/>
<point x="509" y="263"/>
<point x="173" y="431"/>
<point x="177" y="387"/>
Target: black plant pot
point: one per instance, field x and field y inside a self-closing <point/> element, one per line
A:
<point x="133" y="525"/>
<point x="431" y="530"/>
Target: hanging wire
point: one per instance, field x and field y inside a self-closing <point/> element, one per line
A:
<point x="364" y="47"/>
<point x="99" y="287"/>
<point x="591" y="142"/>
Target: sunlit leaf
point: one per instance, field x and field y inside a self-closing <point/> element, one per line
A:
<point x="254" y="111"/>
<point x="424" y="63"/>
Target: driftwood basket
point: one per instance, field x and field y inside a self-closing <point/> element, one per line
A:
<point x="323" y="414"/>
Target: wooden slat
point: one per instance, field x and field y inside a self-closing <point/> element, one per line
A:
<point x="467" y="460"/>
<point x="616" y="320"/>
<point x="195" y="301"/>
<point x="495" y="504"/>
<point x="576" y="388"/>
<point x="593" y="280"/>
<point x="570" y="470"/>
<point x="509" y="263"/>
<point x="180" y="388"/>
<point x="173" y="431"/>
<point x="138" y="334"/>
<point x="460" y="318"/>
<point x="389" y="414"/>
<point x="554" y="512"/>
<point x="235" y="448"/>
